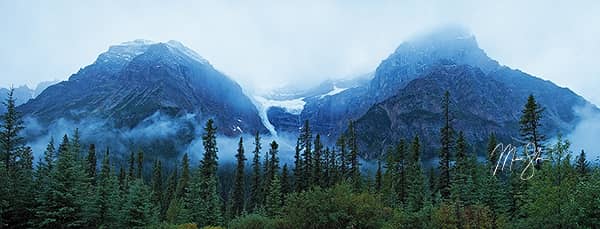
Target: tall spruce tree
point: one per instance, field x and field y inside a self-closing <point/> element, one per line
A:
<point x="354" y="169"/>
<point x="138" y="210"/>
<point x="317" y="172"/>
<point x="274" y="200"/>
<point x="462" y="182"/>
<point x="256" y="181"/>
<point x="416" y="196"/>
<point x="140" y="165"/>
<point x="76" y="143"/>
<point x="68" y="194"/>
<point x="91" y="164"/>
<point x="341" y="144"/>
<point x="107" y="195"/>
<point x="492" y="156"/>
<point x="530" y="125"/>
<point x="446" y="140"/>
<point x="582" y="165"/>
<point x="298" y="166"/>
<point x="157" y="184"/>
<point x="170" y="192"/>
<point x="238" y="186"/>
<point x="131" y="166"/>
<point x="307" y="155"/>
<point x="286" y="186"/>
<point x="43" y="180"/>
<point x="378" y="178"/>
<point x="210" y="211"/>
<point x="271" y="168"/>
<point x="184" y="180"/>
<point x="11" y="125"/>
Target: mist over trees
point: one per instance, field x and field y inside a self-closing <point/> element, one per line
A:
<point x="80" y="186"/>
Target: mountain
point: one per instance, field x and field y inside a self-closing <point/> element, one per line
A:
<point x="23" y="93"/>
<point x="140" y="83"/>
<point x="404" y="97"/>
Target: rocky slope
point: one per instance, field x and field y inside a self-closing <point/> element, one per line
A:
<point x="404" y="97"/>
<point x="134" y="82"/>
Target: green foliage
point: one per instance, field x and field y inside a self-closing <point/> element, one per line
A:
<point x="107" y="202"/>
<point x="256" y="181"/>
<point x="446" y="140"/>
<point x="354" y="169"/>
<point x="338" y="207"/>
<point x="254" y="221"/>
<point x="274" y="200"/>
<point x="238" y="187"/>
<point x="138" y="210"/>
<point x="550" y="196"/>
<point x="530" y="123"/>
<point x="416" y="189"/>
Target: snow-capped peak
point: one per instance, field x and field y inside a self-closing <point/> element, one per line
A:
<point x="128" y="50"/>
<point x="176" y="45"/>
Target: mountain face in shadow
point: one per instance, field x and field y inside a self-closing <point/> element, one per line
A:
<point x="404" y="97"/>
<point x="142" y="85"/>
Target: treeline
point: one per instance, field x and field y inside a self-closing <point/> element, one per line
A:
<point x="73" y="187"/>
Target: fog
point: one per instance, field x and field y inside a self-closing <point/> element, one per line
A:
<point x="268" y="44"/>
<point x="586" y="134"/>
<point x="156" y="128"/>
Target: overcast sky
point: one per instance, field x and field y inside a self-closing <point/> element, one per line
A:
<point x="272" y="43"/>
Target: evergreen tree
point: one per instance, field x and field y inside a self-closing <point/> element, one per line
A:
<point x="530" y="124"/>
<point x="170" y="192"/>
<point x="22" y="189"/>
<point x="462" y="191"/>
<point x="491" y="155"/>
<point x="131" y="166"/>
<point x="183" y="183"/>
<point x="76" y="143"/>
<point x="317" y="173"/>
<point x="432" y="185"/>
<point x="416" y="196"/>
<point x="255" y="185"/>
<point x="388" y="188"/>
<point x="157" y="184"/>
<point x="91" y="164"/>
<point x="582" y="165"/>
<point x="209" y="212"/>
<point x="298" y="165"/>
<point x="271" y="168"/>
<point x="68" y="194"/>
<point x="400" y="171"/>
<point x="274" y="200"/>
<point x="378" y="177"/>
<point x="140" y="165"/>
<point x="10" y="126"/>
<point x="273" y="153"/>
<point x="332" y="168"/>
<point x="138" y="211"/>
<point x="107" y="200"/>
<point x="353" y="157"/>
<point x="238" y="187"/>
<point x="122" y="179"/>
<point x="286" y="187"/>
<point x="43" y="180"/>
<point x="341" y="144"/>
<point x="446" y="140"/>
<point x="307" y="156"/>
<point x="549" y="200"/>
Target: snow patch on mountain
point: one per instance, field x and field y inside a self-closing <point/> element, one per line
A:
<point x="334" y="91"/>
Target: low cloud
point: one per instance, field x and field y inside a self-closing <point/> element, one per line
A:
<point x="586" y="134"/>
